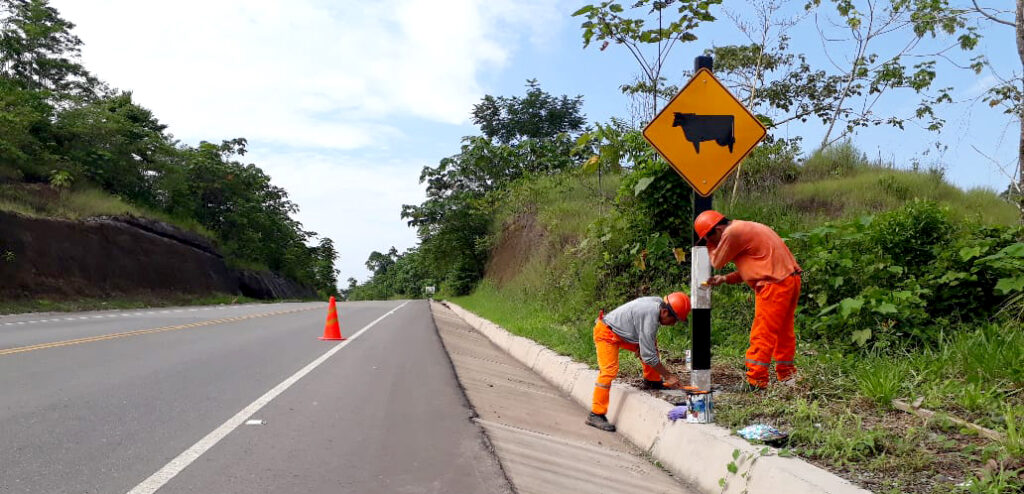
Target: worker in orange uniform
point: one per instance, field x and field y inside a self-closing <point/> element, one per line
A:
<point x="765" y="263"/>
<point x="633" y="326"/>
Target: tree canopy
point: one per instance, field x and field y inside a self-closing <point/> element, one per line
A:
<point x="61" y="125"/>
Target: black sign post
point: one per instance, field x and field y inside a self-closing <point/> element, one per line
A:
<point x="700" y="376"/>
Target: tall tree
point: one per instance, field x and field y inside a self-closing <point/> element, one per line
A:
<point x="523" y="136"/>
<point x="38" y="49"/>
<point x="538" y="115"/>
<point x="1009" y="93"/>
<point x="879" y="36"/>
<point x="649" y="32"/>
<point x="117" y="144"/>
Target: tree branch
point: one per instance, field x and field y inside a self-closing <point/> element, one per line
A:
<point x="991" y="17"/>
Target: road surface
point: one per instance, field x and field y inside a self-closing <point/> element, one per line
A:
<point x="236" y="399"/>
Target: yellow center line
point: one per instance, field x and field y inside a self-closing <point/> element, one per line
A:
<point x="138" y="332"/>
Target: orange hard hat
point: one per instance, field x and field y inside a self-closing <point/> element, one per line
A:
<point x="679" y="305"/>
<point x="706" y="221"/>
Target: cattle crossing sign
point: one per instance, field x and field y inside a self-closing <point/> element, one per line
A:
<point x="704" y="132"/>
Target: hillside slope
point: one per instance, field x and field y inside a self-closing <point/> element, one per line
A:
<point x="900" y="302"/>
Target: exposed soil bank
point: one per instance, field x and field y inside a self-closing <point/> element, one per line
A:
<point x="121" y="256"/>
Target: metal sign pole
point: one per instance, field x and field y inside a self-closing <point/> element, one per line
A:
<point x="700" y="271"/>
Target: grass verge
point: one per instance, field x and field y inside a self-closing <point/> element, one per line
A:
<point x="839" y="416"/>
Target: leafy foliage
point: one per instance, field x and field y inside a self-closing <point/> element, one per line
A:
<point x="900" y="278"/>
<point x="648" y="31"/>
<point x="523" y="136"/>
<point x="538" y="115"/>
<point x="60" y="126"/>
<point x="38" y="50"/>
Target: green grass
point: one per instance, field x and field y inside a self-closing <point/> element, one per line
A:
<point x="565" y="204"/>
<point x="41" y="201"/>
<point x="881" y="380"/>
<point x="85" y="304"/>
<point x="839" y="160"/>
<point x="840" y="416"/>
<point x="873" y="189"/>
<point x="533" y="319"/>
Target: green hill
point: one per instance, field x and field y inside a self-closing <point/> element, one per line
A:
<point x="564" y="246"/>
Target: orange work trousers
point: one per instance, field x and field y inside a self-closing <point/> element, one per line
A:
<point x="771" y="335"/>
<point x="608" y="345"/>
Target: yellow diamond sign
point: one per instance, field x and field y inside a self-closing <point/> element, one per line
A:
<point x="704" y="132"/>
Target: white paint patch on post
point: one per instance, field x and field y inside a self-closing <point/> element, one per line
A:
<point x="169" y="471"/>
<point x="700" y="297"/>
<point x="700" y="271"/>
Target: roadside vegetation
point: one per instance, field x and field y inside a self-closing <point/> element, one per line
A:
<point x="73" y="147"/>
<point x="913" y="290"/>
<point x="937" y="325"/>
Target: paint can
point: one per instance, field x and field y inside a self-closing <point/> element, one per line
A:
<point x="701" y="406"/>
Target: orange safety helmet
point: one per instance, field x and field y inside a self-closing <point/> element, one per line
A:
<point x="706" y="221"/>
<point x="679" y="305"/>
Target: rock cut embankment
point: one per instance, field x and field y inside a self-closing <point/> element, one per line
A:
<point x="121" y="256"/>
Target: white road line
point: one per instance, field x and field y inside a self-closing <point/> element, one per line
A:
<point x="170" y="470"/>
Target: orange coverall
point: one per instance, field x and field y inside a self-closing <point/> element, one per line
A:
<point x="608" y="345"/>
<point x="765" y="263"/>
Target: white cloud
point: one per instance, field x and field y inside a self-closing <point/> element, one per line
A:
<point x="316" y="86"/>
<point x="354" y="201"/>
<point x="303" y="72"/>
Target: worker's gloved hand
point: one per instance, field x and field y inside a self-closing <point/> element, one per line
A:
<point x="671" y="381"/>
<point x="677" y="413"/>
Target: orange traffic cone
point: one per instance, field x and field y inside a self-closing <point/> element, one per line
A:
<point x="331" y="330"/>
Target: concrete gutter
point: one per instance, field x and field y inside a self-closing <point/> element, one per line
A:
<point x="697" y="453"/>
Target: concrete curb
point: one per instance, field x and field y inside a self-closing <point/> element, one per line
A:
<point x="697" y="453"/>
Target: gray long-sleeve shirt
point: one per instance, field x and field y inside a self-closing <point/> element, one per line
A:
<point x="637" y="322"/>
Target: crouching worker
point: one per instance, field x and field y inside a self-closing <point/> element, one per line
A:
<point x="634" y="326"/>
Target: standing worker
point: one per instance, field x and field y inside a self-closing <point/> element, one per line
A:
<point x="633" y="326"/>
<point x="765" y="263"/>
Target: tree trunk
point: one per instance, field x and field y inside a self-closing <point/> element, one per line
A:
<point x="1020" y="52"/>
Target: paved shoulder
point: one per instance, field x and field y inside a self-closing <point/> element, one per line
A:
<point x="537" y="432"/>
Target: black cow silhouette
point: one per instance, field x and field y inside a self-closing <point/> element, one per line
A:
<point x="700" y="128"/>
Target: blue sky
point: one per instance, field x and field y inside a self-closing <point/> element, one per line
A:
<point x="344" y="102"/>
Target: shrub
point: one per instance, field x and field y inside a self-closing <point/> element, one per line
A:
<point x="770" y="165"/>
<point x="838" y="160"/>
<point x="898" y="279"/>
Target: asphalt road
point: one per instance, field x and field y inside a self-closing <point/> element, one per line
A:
<point x="235" y="399"/>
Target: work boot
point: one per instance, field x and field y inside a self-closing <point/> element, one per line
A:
<point x="652" y="385"/>
<point x="746" y="387"/>
<point x="600" y="421"/>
